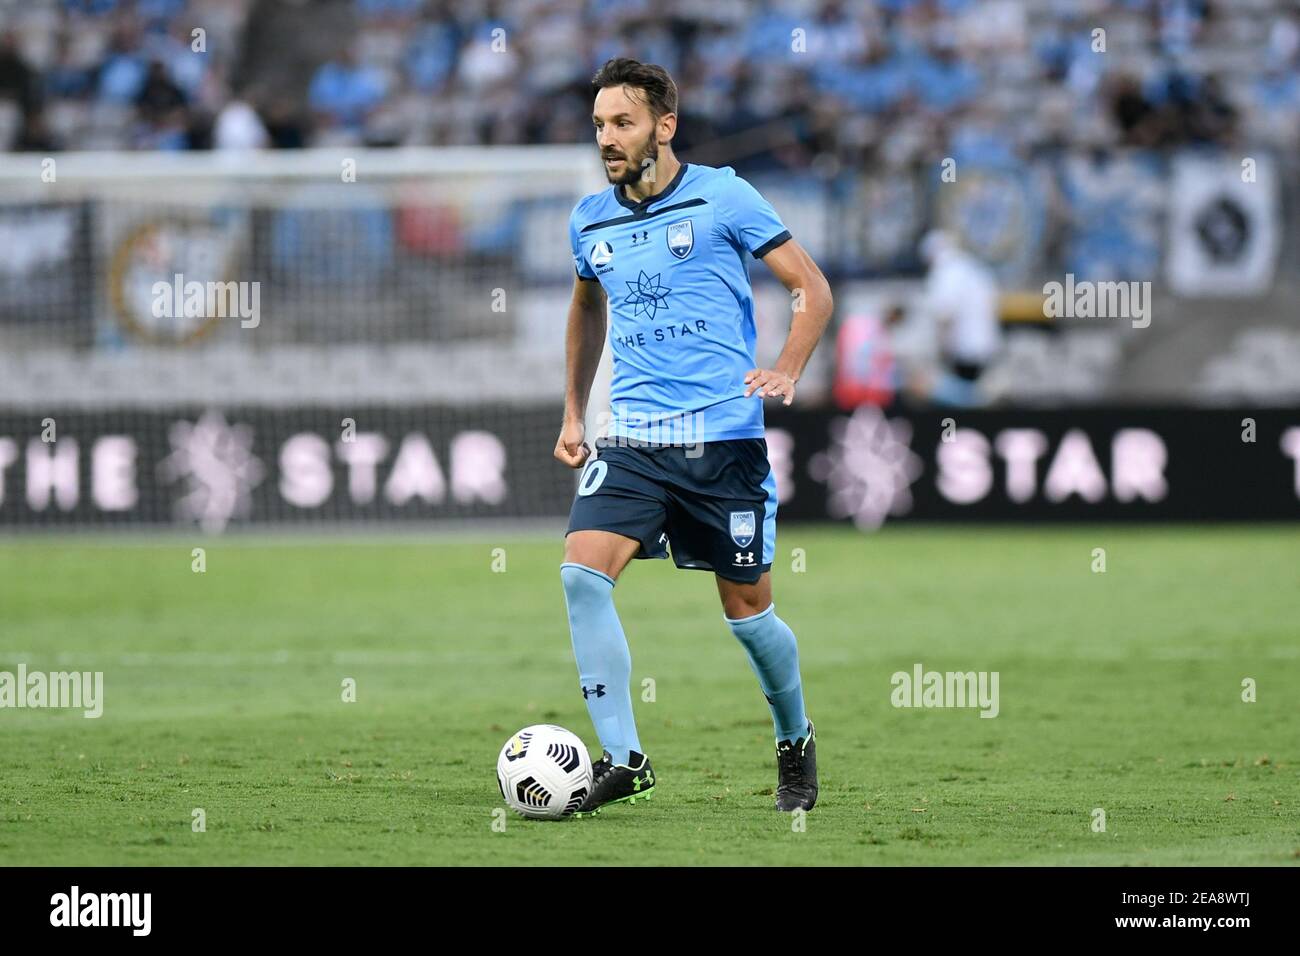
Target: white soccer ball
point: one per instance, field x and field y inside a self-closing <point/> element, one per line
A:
<point x="544" y="772"/>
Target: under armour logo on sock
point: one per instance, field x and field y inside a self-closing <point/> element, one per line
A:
<point x="598" y="690"/>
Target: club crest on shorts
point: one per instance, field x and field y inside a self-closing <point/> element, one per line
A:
<point x="681" y="238"/>
<point x="742" y="527"/>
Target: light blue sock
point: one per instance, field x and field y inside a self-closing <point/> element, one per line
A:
<point x="604" y="661"/>
<point x="774" y="655"/>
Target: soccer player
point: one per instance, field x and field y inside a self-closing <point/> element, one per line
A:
<point x="684" y="464"/>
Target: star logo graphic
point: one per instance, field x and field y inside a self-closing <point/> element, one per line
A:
<point x="215" y="463"/>
<point x="648" y="295"/>
<point x="869" y="467"/>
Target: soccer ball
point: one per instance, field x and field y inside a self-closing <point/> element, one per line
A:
<point x="544" y="772"/>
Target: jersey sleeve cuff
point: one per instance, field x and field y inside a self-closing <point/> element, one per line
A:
<point x="585" y="278"/>
<point x="778" y="239"/>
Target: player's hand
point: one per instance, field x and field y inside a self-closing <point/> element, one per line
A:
<point x="570" y="448"/>
<point x="769" y="383"/>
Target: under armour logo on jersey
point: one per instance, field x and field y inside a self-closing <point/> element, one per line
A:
<point x="598" y="690"/>
<point x="639" y="237"/>
<point x="744" y="559"/>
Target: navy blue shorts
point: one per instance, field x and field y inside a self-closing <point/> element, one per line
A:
<point x="716" y="510"/>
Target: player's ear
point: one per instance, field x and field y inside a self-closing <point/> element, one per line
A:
<point x="666" y="128"/>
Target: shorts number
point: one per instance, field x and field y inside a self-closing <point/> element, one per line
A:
<point x="592" y="477"/>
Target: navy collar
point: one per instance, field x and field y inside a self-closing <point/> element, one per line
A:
<point x="639" y="206"/>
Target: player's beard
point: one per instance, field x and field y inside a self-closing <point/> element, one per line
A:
<point x="634" y="166"/>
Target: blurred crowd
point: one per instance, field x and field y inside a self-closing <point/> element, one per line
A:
<point x="809" y="84"/>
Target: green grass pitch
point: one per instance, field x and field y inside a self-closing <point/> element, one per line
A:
<point x="223" y="691"/>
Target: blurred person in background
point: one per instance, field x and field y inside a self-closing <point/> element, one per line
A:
<point x="959" y="309"/>
<point x="345" y="92"/>
<point x="285" y="124"/>
<point x="21" y="85"/>
<point x="238" y="126"/>
<point x="161" y="108"/>
<point x="123" y="70"/>
<point x="1139" y="122"/>
<point x="70" y="76"/>
<point x="35" y="135"/>
<point x="18" y="81"/>
<point x="867" y="372"/>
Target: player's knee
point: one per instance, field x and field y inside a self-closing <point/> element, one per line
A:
<point x="599" y="551"/>
<point x="738" y="608"/>
<point x="745" y="623"/>
<point x="744" y="600"/>
<point x="584" y="587"/>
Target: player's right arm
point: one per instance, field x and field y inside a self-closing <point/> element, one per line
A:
<point x="584" y="341"/>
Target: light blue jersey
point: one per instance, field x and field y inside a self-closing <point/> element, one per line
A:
<point x="675" y="270"/>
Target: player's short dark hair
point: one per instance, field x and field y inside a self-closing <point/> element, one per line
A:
<point x="655" y="85"/>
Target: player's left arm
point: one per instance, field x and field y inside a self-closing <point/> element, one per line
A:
<point x="812" y="305"/>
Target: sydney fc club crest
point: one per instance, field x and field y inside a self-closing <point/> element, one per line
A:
<point x="742" y="527"/>
<point x="601" y="253"/>
<point x="681" y="238"/>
